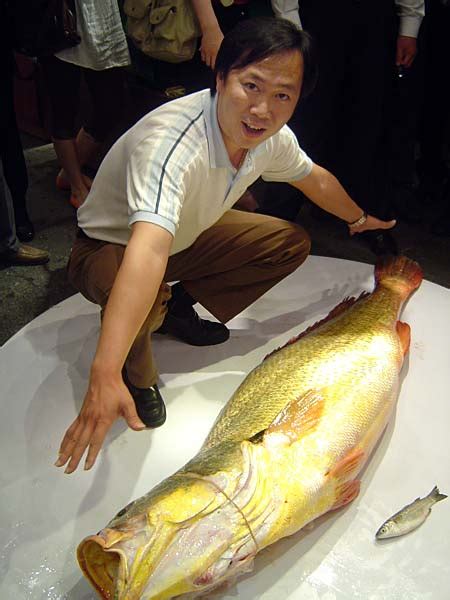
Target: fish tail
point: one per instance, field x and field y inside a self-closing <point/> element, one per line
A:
<point x="436" y="495"/>
<point x="398" y="269"/>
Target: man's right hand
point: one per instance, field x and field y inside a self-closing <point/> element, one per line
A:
<point x="106" y="400"/>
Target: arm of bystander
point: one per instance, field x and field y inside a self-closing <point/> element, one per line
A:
<point x="212" y="35"/>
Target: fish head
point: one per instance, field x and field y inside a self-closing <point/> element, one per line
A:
<point x="389" y="529"/>
<point x="186" y="537"/>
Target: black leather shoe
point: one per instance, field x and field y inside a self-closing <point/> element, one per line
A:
<point x="381" y="243"/>
<point x="150" y="406"/>
<point x="25" y="231"/>
<point x="194" y="330"/>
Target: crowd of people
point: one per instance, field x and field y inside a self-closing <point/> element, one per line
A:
<point x="160" y="208"/>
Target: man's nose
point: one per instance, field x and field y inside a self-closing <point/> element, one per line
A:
<point x="261" y="109"/>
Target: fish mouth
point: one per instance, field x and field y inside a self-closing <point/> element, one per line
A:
<point x="100" y="565"/>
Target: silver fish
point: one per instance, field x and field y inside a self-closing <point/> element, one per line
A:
<point x="410" y="516"/>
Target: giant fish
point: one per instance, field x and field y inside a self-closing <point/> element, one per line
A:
<point x="286" y="448"/>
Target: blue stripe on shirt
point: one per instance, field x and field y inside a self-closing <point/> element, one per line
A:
<point x="171" y="151"/>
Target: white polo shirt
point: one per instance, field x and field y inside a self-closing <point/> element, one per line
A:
<point x="172" y="169"/>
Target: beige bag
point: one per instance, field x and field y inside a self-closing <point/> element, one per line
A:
<point x="163" y="29"/>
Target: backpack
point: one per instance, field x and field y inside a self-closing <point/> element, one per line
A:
<point x="43" y="27"/>
<point x="166" y="30"/>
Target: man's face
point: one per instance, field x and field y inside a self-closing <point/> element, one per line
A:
<point x="256" y="101"/>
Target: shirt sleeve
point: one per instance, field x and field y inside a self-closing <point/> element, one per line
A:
<point x="411" y="13"/>
<point x="155" y="186"/>
<point x="287" y="9"/>
<point x="288" y="161"/>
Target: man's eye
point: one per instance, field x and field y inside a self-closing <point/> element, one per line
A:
<point x="283" y="97"/>
<point x="250" y="86"/>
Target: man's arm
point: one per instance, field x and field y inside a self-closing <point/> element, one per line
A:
<point x="322" y="188"/>
<point x="132" y="296"/>
<point x="212" y="35"/>
<point x="286" y="9"/>
<point x="411" y="13"/>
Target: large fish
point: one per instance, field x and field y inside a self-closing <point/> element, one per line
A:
<point x="286" y="449"/>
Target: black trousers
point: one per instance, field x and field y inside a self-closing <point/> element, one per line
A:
<point x="340" y="124"/>
<point x="11" y="153"/>
<point x="63" y="80"/>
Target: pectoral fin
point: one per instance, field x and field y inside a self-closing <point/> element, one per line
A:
<point x="298" y="418"/>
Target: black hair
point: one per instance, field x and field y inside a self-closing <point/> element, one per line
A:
<point x="253" y="40"/>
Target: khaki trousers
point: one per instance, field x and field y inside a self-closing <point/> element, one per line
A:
<point x="226" y="269"/>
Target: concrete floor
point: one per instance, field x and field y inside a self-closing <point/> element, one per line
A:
<point x="26" y="292"/>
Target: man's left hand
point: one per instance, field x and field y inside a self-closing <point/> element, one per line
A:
<point x="372" y="223"/>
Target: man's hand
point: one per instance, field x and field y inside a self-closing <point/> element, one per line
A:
<point x="211" y="39"/>
<point x="106" y="400"/>
<point x="406" y="51"/>
<point x="372" y="223"/>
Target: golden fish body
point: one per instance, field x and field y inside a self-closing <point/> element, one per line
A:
<point x="286" y="449"/>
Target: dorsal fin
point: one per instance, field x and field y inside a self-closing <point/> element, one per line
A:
<point x="336" y="311"/>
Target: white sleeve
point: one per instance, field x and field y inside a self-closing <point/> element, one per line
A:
<point x="287" y="162"/>
<point x="287" y="9"/>
<point x="411" y="13"/>
<point x="155" y="190"/>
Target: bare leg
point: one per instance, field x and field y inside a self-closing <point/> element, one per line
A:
<point x="66" y="152"/>
<point x="86" y="149"/>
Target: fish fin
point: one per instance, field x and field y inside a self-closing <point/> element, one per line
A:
<point x="404" y="334"/>
<point x="400" y="269"/>
<point x="336" y="311"/>
<point x="351" y="462"/>
<point x="346" y="492"/>
<point x="297" y="418"/>
<point x="436" y="495"/>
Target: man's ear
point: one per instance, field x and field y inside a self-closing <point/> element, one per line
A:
<point x="219" y="82"/>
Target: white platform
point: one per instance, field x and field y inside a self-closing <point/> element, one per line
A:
<point x="44" y="514"/>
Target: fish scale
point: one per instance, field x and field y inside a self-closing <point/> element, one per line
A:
<point x="287" y="448"/>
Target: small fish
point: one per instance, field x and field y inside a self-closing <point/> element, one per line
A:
<point x="410" y="516"/>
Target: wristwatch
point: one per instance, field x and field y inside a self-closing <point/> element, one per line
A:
<point x="362" y="219"/>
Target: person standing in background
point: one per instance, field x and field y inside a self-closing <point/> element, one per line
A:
<point x="11" y="251"/>
<point x="340" y="124"/>
<point x="11" y="152"/>
<point x="216" y="17"/>
<point x="98" y="58"/>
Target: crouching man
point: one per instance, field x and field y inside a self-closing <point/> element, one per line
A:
<point x="161" y="210"/>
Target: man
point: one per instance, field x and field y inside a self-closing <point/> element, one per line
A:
<point x="160" y="210"/>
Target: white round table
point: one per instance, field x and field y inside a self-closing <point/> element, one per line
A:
<point x="44" y="514"/>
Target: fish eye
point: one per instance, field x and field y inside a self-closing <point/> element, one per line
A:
<point x="124" y="510"/>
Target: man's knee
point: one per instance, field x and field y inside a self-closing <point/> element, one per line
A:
<point x="296" y="243"/>
<point x="93" y="268"/>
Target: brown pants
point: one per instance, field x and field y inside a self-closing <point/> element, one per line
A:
<point x="227" y="268"/>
